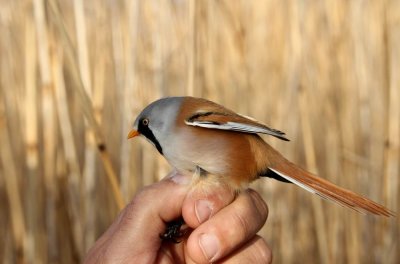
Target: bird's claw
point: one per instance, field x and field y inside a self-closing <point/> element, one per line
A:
<point x="174" y="232"/>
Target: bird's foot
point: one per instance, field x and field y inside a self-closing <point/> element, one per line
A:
<point x="174" y="231"/>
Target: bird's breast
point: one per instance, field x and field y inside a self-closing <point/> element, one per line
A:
<point x="223" y="153"/>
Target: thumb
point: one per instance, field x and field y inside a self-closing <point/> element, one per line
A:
<point x="135" y="233"/>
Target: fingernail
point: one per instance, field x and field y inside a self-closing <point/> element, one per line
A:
<point x="209" y="244"/>
<point x="203" y="209"/>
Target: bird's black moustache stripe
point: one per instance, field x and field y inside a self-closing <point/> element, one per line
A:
<point x="145" y="131"/>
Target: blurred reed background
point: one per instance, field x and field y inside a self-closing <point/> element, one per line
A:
<point x="74" y="74"/>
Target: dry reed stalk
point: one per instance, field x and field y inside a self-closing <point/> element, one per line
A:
<point x="349" y="129"/>
<point x="158" y="48"/>
<point x="210" y="70"/>
<point x="82" y="46"/>
<point x="86" y="105"/>
<point x="49" y="126"/>
<point x="161" y="14"/>
<point x="9" y="252"/>
<point x="98" y="93"/>
<point x="34" y="253"/>
<point x="311" y="161"/>
<point x="192" y="48"/>
<point x="128" y="75"/>
<point x="334" y="223"/>
<point x="292" y="65"/>
<point x="89" y="190"/>
<point x="13" y="194"/>
<point x="148" y="157"/>
<point x="337" y="47"/>
<point x="89" y="170"/>
<point x="392" y="146"/>
<point x="10" y="177"/>
<point x="74" y="175"/>
<point x="129" y="94"/>
<point x="90" y="186"/>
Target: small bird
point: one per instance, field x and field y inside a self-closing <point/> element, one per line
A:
<point x="218" y="146"/>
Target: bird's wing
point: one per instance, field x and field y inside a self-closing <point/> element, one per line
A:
<point x="227" y="120"/>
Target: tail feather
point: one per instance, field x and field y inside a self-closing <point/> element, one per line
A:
<point x="328" y="190"/>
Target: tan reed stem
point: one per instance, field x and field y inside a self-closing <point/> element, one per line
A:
<point x="86" y="105"/>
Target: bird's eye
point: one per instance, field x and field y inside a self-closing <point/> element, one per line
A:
<point x="145" y="122"/>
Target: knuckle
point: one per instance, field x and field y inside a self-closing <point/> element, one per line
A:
<point x="144" y="193"/>
<point x="259" y="204"/>
<point x="136" y="207"/>
<point x="242" y="229"/>
<point x="145" y="196"/>
<point x="261" y="252"/>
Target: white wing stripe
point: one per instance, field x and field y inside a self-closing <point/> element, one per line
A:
<point x="246" y="128"/>
<point x="230" y="126"/>
<point x="209" y="125"/>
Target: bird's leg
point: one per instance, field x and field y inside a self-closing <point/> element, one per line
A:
<point x="174" y="231"/>
<point x="198" y="174"/>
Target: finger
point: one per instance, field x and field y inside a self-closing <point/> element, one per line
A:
<point x="199" y="205"/>
<point x="174" y="176"/>
<point x="154" y="204"/>
<point x="254" y="251"/>
<point x="228" y="229"/>
<point x="133" y="236"/>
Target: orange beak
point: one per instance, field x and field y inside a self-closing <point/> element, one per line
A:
<point x="133" y="133"/>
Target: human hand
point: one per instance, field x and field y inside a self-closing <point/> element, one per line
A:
<point x="224" y="228"/>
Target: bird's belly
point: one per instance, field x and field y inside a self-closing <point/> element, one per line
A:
<point x="221" y="153"/>
<point x="189" y="157"/>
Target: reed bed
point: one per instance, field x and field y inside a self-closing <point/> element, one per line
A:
<point x="73" y="75"/>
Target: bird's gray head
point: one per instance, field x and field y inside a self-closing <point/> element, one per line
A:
<point x="155" y="121"/>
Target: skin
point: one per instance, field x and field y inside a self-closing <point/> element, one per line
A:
<point x="221" y="223"/>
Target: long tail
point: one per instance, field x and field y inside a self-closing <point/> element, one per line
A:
<point x="327" y="190"/>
